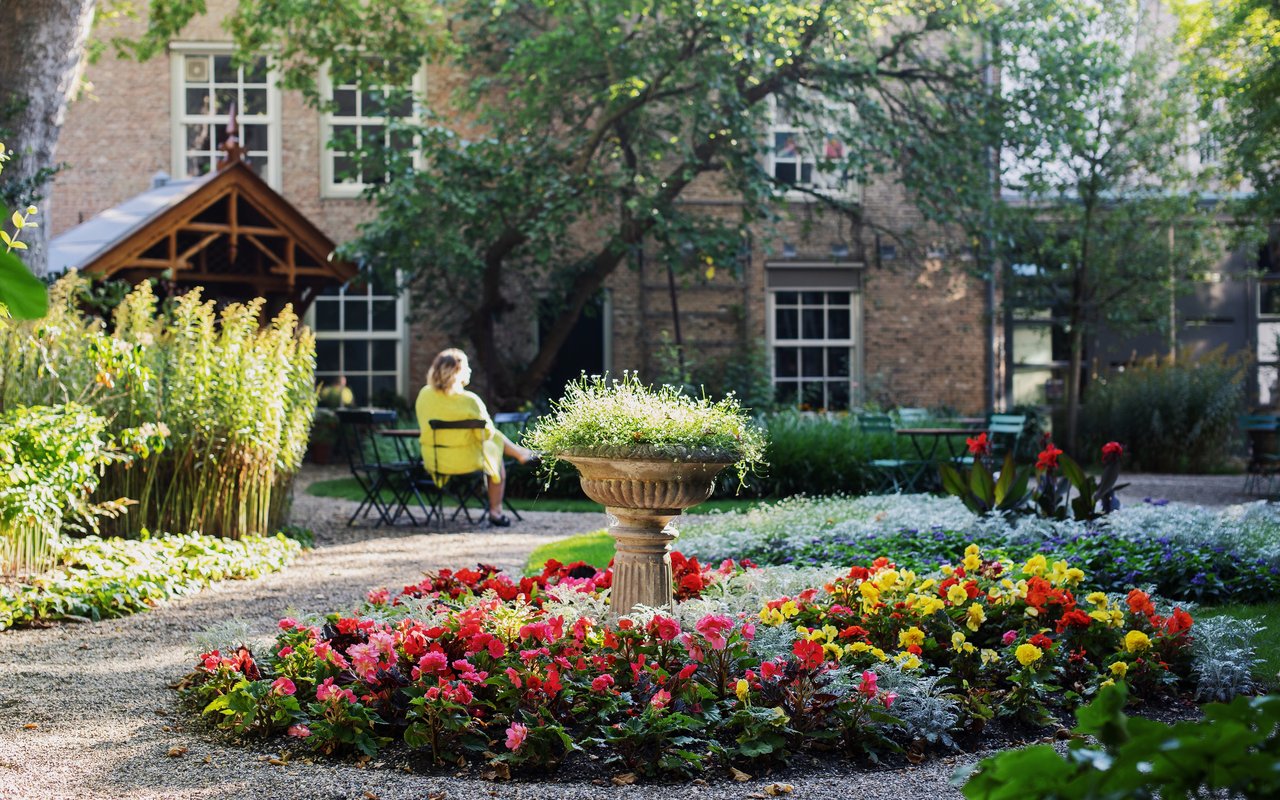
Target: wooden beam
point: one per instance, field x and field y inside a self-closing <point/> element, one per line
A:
<point x="199" y="246"/>
<point x="219" y="227"/>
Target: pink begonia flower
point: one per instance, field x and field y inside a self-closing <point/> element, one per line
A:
<point x="687" y="672"/>
<point x="714" y="628"/>
<point x="385" y="641"/>
<point x="378" y="597"/>
<point x="661" y="700"/>
<point x="868" y="685"/>
<point x="1009" y="637"/>
<point x="888" y="700"/>
<point x="602" y="684"/>
<point x="327" y="691"/>
<point x="285" y="651"/>
<point x="666" y="627"/>
<point x="288" y="623"/>
<point x="516" y="734"/>
<point x="283" y="686"/>
<point x="364" y="660"/>
<point x="299" y="731"/>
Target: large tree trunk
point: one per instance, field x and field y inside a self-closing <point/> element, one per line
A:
<point x="42" y="47"/>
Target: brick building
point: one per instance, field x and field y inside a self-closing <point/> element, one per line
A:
<point x="845" y="316"/>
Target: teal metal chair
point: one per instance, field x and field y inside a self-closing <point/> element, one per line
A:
<point x="891" y="473"/>
<point x="1004" y="431"/>
<point x="1263" y="431"/>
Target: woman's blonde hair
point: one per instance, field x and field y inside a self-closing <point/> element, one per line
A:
<point x="443" y="375"/>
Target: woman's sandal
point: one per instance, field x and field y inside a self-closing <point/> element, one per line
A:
<point x="500" y="521"/>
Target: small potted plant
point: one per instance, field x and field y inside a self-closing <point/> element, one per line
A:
<point x="646" y="455"/>
<point x="324" y="433"/>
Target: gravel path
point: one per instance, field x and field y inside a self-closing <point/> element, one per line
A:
<point x="86" y="711"/>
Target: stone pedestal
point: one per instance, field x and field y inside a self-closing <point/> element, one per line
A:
<point x="643" y="495"/>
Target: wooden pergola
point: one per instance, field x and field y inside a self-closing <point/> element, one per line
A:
<point x="229" y="232"/>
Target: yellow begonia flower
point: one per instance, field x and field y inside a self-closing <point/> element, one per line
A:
<point x="834" y="650"/>
<point x="927" y="584"/>
<point x="910" y="636"/>
<point x="947" y="570"/>
<point x="858" y="647"/>
<point x="1136" y="640"/>
<point x="878" y="653"/>
<point x="885" y="580"/>
<point x="1028" y="654"/>
<point x="972" y="550"/>
<point x="741" y="689"/>
<point x="1036" y="565"/>
<point x="989" y="656"/>
<point x="972" y="564"/>
<point x="1120" y="669"/>
<point x="929" y="606"/>
<point x="907" y="660"/>
<point x="1059" y="574"/>
<point x="1107" y="682"/>
<point x="956" y="595"/>
<point x="1098" y="599"/>
<point x="959" y="644"/>
<point x="1075" y="575"/>
<point x="974" y="617"/>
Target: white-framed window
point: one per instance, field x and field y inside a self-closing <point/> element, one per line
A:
<point x="813" y="347"/>
<point x="360" y="333"/>
<point x="1268" y="364"/>
<point x="207" y="85"/>
<point x="798" y="157"/>
<point x="360" y="121"/>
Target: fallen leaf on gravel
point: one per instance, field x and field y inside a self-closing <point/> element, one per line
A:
<point x="625" y="779"/>
<point x="778" y="789"/>
<point x="497" y="771"/>
<point x="166" y="727"/>
<point x="208" y="759"/>
<point x="30" y="726"/>
<point x="699" y="782"/>
<point x="437" y="796"/>
<point x="176" y="752"/>
<point x="738" y="775"/>
<point x="371" y="796"/>
<point x="277" y="762"/>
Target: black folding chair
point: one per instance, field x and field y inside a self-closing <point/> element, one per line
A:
<point x="513" y="424"/>
<point x="374" y="469"/>
<point x="465" y="487"/>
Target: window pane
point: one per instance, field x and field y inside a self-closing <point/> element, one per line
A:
<point x="355" y="356"/>
<point x="383" y="390"/>
<point x="197" y="101"/>
<point x="811" y="395"/>
<point x="359" y="385"/>
<point x="806" y="173"/>
<point x="327" y="356"/>
<point x="784" y="146"/>
<point x="811" y="362"/>
<point x="811" y="298"/>
<point x="373" y="136"/>
<point x="346" y="138"/>
<point x="327" y="318"/>
<point x="371" y="104"/>
<point x="255" y="101"/>
<point x="838" y="298"/>
<point x="811" y="320"/>
<point x="384" y="355"/>
<point x="344" y="170"/>
<point x="785" y="363"/>
<point x="786" y="298"/>
<point x="786" y="323"/>
<point x="223" y="71"/>
<point x="196" y="69"/>
<point x="400" y="105"/>
<point x="256" y="71"/>
<point x="785" y="393"/>
<point x="384" y="315"/>
<point x="784" y="173"/>
<point x="224" y="99"/>
<point x="1269" y="299"/>
<point x="838" y="362"/>
<point x="838" y="323"/>
<point x="838" y="396"/>
<point x="345" y="100"/>
<point x="197" y="165"/>
<point x="198" y="137"/>
<point x="261" y="165"/>
<point x="357" y="318"/>
<point x="253" y="137"/>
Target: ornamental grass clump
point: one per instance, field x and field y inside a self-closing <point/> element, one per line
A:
<point x="626" y="418"/>
<point x="235" y="391"/>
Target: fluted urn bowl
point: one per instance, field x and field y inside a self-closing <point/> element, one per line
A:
<point x="643" y="492"/>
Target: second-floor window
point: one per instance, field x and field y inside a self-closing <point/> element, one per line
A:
<point x="800" y="157"/>
<point x="209" y="87"/>
<point x="359" y="128"/>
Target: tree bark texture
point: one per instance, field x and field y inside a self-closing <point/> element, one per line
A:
<point x="42" y="47"/>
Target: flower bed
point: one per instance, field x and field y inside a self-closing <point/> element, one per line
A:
<point x="1181" y="552"/>
<point x="755" y="665"/>
<point x="98" y="578"/>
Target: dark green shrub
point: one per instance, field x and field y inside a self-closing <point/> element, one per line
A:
<point x="1172" y="417"/>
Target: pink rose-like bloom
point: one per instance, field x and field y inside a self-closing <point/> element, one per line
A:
<point x="378" y="597"/>
<point x="212" y="660"/>
<point x="283" y="686"/>
<point x="1009" y="638"/>
<point x="661" y="700"/>
<point x="748" y="631"/>
<point x="687" y="672"/>
<point x="327" y="691"/>
<point x="868" y="685"/>
<point x="888" y="700"/>
<point x="433" y="663"/>
<point x="288" y="623"/>
<point x="299" y="731"/>
<point x="516" y="734"/>
<point x="715" y="628"/>
<point x="285" y="651"/>
<point x="602" y="684"/>
<point x="666" y="627"/>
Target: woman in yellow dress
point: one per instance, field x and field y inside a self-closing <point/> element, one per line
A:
<point x="467" y="450"/>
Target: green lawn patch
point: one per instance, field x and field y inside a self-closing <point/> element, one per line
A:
<point x="1268" y="643"/>
<point x="349" y="489"/>
<point x="595" y="548"/>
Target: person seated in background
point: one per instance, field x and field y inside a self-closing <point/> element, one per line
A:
<point x="337" y="394"/>
<point x="464" y="451"/>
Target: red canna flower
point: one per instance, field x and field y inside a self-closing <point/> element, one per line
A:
<point x="979" y="446"/>
<point x="1048" y="460"/>
<point x="1111" y="451"/>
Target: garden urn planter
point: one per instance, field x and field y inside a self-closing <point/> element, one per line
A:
<point x="643" y="494"/>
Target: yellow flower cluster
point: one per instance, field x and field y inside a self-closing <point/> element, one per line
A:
<point x="1028" y="654"/>
<point x="779" y="615"/>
